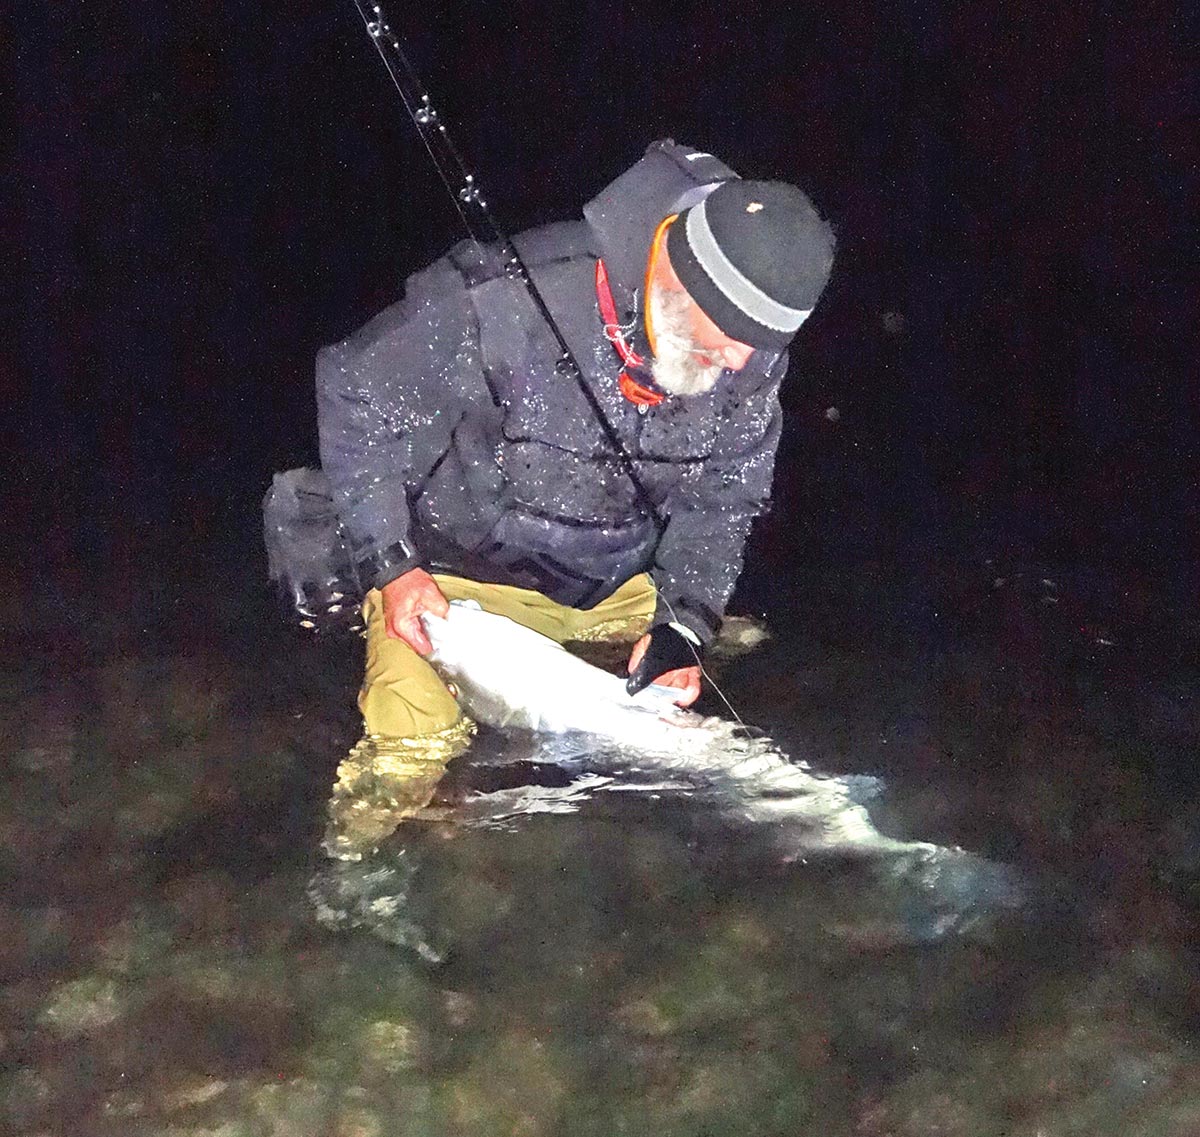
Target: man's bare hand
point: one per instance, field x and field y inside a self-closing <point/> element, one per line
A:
<point x="404" y="599"/>
<point x="687" y="679"/>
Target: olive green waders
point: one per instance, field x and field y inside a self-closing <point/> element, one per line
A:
<point x="413" y="725"/>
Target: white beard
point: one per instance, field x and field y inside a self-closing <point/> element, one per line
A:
<point x="676" y="368"/>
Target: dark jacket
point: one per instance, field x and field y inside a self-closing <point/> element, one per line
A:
<point x="451" y="441"/>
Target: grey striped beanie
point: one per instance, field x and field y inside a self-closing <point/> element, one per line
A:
<point x="755" y="256"/>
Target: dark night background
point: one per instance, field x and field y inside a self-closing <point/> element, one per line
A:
<point x="200" y="195"/>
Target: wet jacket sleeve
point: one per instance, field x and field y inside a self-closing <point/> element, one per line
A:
<point x="388" y="399"/>
<point x="700" y="555"/>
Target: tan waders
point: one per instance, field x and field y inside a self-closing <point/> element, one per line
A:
<point x="412" y="724"/>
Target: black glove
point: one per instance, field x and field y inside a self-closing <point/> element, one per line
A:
<point x="669" y="650"/>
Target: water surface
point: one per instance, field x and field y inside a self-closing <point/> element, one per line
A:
<point x="180" y="958"/>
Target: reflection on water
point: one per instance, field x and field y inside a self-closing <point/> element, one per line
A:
<point x="180" y="957"/>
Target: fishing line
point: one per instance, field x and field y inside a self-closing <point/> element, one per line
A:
<point x="700" y="663"/>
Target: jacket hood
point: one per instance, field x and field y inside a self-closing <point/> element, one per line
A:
<point x="623" y="216"/>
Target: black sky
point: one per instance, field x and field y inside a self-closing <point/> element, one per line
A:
<point x="198" y="196"/>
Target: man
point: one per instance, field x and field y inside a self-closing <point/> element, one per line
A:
<point x="466" y="462"/>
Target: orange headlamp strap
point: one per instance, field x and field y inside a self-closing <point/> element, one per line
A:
<point x="651" y="262"/>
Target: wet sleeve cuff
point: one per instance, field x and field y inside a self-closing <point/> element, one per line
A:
<point x="693" y="615"/>
<point x="382" y="567"/>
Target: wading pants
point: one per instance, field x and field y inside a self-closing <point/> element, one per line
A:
<point x="413" y="725"/>
<point x="402" y="696"/>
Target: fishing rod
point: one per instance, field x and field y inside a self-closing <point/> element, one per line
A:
<point x="477" y="218"/>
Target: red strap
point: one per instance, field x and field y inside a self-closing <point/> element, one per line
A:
<point x="608" y="310"/>
<point x="630" y="387"/>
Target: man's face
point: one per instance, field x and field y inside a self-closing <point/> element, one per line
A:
<point x="690" y="350"/>
<point x="729" y="353"/>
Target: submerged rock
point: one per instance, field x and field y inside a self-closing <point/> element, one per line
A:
<point x="84" y="1006"/>
<point x="515" y="1085"/>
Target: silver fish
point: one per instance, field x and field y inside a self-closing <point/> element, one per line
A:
<point x="507" y="675"/>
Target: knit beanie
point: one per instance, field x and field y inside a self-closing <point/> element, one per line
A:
<point x="755" y="256"/>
